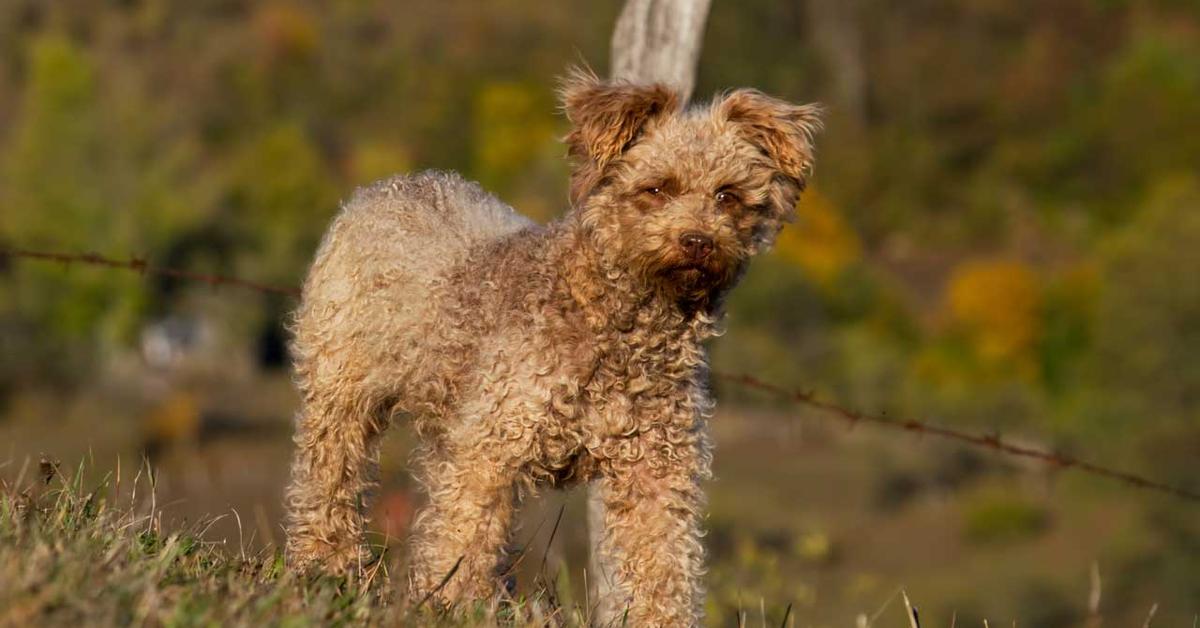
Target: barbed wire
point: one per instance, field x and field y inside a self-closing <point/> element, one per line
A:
<point x="140" y="265"/>
<point x="989" y="441"/>
<point x="797" y="398"/>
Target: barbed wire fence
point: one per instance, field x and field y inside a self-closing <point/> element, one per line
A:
<point x="796" y="398"/>
<point x="144" y="267"/>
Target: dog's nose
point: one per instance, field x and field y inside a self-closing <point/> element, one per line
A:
<point x="696" y="245"/>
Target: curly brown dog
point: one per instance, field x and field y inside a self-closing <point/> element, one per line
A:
<point x="535" y="356"/>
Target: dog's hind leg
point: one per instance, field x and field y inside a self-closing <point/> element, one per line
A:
<point x="335" y="466"/>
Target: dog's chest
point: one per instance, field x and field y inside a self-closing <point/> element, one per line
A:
<point x="613" y="393"/>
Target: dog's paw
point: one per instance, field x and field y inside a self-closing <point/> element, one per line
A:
<point x="315" y="557"/>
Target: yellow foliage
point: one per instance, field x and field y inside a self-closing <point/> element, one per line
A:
<point x="997" y="304"/>
<point x="175" y="419"/>
<point x="289" y="31"/>
<point x="821" y="242"/>
<point x="815" y="546"/>
<point x="373" y="160"/>
<point x="512" y="128"/>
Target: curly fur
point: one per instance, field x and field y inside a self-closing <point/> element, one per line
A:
<point x="533" y="356"/>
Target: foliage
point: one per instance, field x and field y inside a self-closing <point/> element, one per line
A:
<point x="1148" y="335"/>
<point x="1001" y="233"/>
<point x="57" y="163"/>
<point x="996" y="517"/>
<point x="278" y="200"/>
<point x="996" y="305"/>
<point x="822" y="243"/>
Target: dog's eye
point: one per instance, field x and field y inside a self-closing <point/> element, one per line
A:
<point x="653" y="191"/>
<point x="725" y="197"/>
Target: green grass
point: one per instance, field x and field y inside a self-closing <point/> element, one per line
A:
<point x="73" y="556"/>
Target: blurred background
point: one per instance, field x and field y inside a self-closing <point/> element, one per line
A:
<point x="1002" y="235"/>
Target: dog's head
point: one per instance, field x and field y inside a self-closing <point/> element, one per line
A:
<point x="684" y="198"/>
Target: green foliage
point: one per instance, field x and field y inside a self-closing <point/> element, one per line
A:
<point x="751" y="572"/>
<point x="225" y="143"/>
<point x="58" y="166"/>
<point x="1147" y="337"/>
<point x="1148" y="107"/>
<point x="513" y="126"/>
<point x="997" y="518"/>
<point x="1054" y="146"/>
<point x="280" y="200"/>
<point x="1066" y="314"/>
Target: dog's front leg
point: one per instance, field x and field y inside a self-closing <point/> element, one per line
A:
<point x="459" y="539"/>
<point x="654" y="507"/>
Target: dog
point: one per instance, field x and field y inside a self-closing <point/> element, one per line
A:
<point x="535" y="356"/>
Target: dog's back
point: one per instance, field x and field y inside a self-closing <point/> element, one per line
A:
<point x="380" y="272"/>
<point x="427" y="221"/>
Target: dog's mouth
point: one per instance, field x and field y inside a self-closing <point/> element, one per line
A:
<point x="689" y="267"/>
<point x="692" y="276"/>
<point x="687" y="278"/>
<point x="690" y="270"/>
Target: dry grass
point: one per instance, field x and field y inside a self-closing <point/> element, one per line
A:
<point x="100" y="557"/>
<point x="70" y="555"/>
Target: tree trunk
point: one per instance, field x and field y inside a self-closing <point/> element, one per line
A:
<point x="599" y="583"/>
<point x="659" y="41"/>
<point x="836" y="32"/>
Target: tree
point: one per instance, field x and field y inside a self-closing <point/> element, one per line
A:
<point x="659" y="40"/>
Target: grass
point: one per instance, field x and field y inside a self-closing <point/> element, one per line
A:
<point x="70" y="555"/>
<point x="99" y="554"/>
<point x="100" y="557"/>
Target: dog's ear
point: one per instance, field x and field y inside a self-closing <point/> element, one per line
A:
<point x="784" y="133"/>
<point x="781" y="130"/>
<point x="606" y="118"/>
